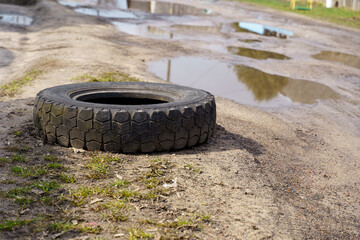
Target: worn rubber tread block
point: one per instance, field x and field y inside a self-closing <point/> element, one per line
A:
<point x="63" y="141"/>
<point x="188" y="118"/>
<point x="77" y="143"/>
<point x="69" y="123"/>
<point x="84" y="125"/>
<point x="93" y="146"/>
<point x="112" y="147"/>
<point x="180" y="143"/>
<point x="157" y="127"/>
<point x="139" y="128"/>
<point x="148" y="147"/>
<point x="76" y="133"/>
<point x="56" y="120"/>
<point x="102" y="126"/>
<point x="174" y="125"/>
<point x="93" y="135"/>
<point x="50" y="138"/>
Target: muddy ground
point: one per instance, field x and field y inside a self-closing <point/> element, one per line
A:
<point x="268" y="173"/>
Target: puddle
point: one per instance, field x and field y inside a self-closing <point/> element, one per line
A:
<point x="6" y="57"/>
<point x="106" y="13"/>
<point x="343" y="58"/>
<point x="261" y="29"/>
<point x="202" y="29"/>
<point x="153" y="7"/>
<point x="240" y="83"/>
<point x="16" y="19"/>
<point x="143" y="30"/>
<point x="256" y="54"/>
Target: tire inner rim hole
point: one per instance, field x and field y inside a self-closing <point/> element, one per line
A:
<point x="115" y="98"/>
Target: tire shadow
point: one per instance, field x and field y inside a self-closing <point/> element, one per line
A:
<point x="223" y="140"/>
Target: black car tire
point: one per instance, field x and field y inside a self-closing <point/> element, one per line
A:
<point x="124" y="116"/>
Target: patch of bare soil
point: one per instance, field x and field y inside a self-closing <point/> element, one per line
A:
<point x="266" y="174"/>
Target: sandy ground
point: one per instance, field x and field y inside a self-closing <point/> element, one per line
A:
<point x="288" y="173"/>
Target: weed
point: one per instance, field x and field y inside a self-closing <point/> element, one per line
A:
<point x="46" y="200"/>
<point x="204" y="218"/>
<point x="152" y="182"/>
<point x="19" y="157"/>
<point x="12" y="88"/>
<point x="61" y="226"/>
<point x="79" y="196"/>
<point x="89" y="228"/>
<point x="97" y="170"/>
<point x="17" y="149"/>
<point x="193" y="168"/>
<point x="137" y="233"/>
<point x="67" y="178"/>
<point x="7" y="181"/>
<point x="46" y="186"/>
<point x="17" y="133"/>
<point x="108" y="77"/>
<point x="97" y="166"/>
<point x="28" y="171"/>
<point x="127" y="194"/>
<point x="119" y="183"/>
<point x="155" y="194"/>
<point x="9" y="225"/>
<point x="116" y="204"/>
<point x="51" y="158"/>
<point x="5" y="160"/>
<point x="19" y="194"/>
<point x="55" y="165"/>
<point x="115" y="216"/>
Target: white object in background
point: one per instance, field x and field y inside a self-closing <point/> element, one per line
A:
<point x="329" y="4"/>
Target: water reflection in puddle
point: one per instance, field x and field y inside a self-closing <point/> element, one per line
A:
<point x="202" y="29"/>
<point x="256" y="54"/>
<point x="106" y="13"/>
<point x="16" y="19"/>
<point x="261" y="29"/>
<point x="242" y="84"/>
<point x="143" y="30"/>
<point x="343" y="58"/>
<point x="153" y="7"/>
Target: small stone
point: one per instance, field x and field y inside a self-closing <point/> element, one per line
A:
<point x="119" y="235"/>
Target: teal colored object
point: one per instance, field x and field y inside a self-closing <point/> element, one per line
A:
<point x="303" y="8"/>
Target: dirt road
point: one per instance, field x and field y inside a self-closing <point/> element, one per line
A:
<point x="289" y="172"/>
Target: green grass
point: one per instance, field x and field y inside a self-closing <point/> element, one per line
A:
<point x="46" y="186"/>
<point x="61" y="226"/>
<point x="19" y="157"/>
<point x="67" y="178"/>
<point x="137" y="233"/>
<point x="14" y="87"/>
<point x="9" y="225"/>
<point x="107" y="77"/>
<point x="28" y="171"/>
<point x="55" y="165"/>
<point x="341" y="16"/>
<point x="193" y="168"/>
<point x="20" y="195"/>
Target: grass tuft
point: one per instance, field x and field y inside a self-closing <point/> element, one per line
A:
<point x="12" y="88"/>
<point x="108" y="77"/>
<point x="137" y="233"/>
<point x="9" y="225"/>
<point x="28" y="171"/>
